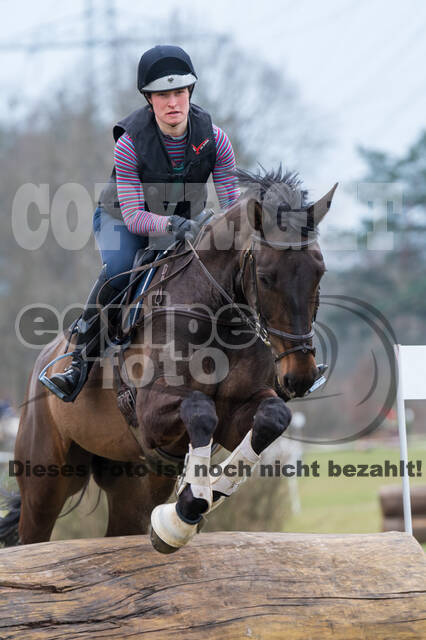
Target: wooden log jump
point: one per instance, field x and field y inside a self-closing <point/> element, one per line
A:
<point x="393" y="513"/>
<point x="226" y="586"/>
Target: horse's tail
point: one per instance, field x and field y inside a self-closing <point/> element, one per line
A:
<point x="83" y="491"/>
<point x="11" y="503"/>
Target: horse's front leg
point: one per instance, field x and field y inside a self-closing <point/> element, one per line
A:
<point x="271" y="419"/>
<point x="173" y="524"/>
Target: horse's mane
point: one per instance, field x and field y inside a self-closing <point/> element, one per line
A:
<point x="278" y="192"/>
<point x="284" y="187"/>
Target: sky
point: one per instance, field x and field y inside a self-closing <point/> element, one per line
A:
<point x="359" y="64"/>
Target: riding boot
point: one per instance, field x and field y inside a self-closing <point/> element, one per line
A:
<point x="67" y="385"/>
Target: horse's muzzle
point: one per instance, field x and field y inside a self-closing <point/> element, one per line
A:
<point x="293" y="385"/>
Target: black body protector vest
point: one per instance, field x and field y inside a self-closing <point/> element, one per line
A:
<point x="167" y="190"/>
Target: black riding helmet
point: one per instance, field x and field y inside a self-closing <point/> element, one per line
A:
<point x="165" y="67"/>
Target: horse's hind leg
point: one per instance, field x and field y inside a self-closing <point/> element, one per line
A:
<point x="42" y="502"/>
<point x="174" y="524"/>
<point x="43" y="490"/>
<point x="132" y="493"/>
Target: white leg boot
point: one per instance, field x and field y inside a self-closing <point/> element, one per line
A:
<point x="236" y="469"/>
<point x="169" y="531"/>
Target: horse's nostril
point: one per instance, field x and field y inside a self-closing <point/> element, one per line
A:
<point x="288" y="381"/>
<point x="296" y="385"/>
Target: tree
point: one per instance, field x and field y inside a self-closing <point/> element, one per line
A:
<point x="410" y="170"/>
<point x="391" y="280"/>
<point x="66" y="139"/>
<point x="397" y="283"/>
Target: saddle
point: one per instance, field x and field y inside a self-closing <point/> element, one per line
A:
<point x="139" y="283"/>
<point x="122" y="328"/>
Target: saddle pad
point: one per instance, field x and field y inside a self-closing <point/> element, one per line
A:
<point x="139" y="289"/>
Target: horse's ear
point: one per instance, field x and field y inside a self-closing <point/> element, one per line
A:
<point x="320" y="208"/>
<point x="254" y="214"/>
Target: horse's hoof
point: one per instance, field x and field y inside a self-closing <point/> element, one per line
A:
<point x="168" y="531"/>
<point x="159" y="544"/>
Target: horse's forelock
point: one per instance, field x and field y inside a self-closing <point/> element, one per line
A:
<point x="285" y="188"/>
<point x="278" y="192"/>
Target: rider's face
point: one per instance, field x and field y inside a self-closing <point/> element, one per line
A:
<point x="171" y="107"/>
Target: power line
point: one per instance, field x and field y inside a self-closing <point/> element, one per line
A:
<point x="31" y="31"/>
<point x="334" y="16"/>
<point x="111" y="33"/>
<point x="355" y="97"/>
<point x="71" y="44"/>
<point x="88" y="31"/>
<point x="389" y="121"/>
<point x="89" y="46"/>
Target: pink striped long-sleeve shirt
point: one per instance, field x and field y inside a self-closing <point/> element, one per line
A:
<point x="130" y="190"/>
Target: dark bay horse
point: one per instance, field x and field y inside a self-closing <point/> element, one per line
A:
<point x="219" y="372"/>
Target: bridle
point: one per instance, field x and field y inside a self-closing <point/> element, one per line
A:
<point x="250" y="257"/>
<point x="259" y="325"/>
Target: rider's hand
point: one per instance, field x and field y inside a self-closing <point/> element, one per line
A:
<point x="182" y="228"/>
<point x="204" y="216"/>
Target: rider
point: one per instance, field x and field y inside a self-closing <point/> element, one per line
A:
<point x="164" y="154"/>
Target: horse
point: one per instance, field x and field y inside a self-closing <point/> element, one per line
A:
<point x="241" y="308"/>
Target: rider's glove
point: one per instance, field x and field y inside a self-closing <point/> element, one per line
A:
<point x="182" y="228"/>
<point x="204" y="216"/>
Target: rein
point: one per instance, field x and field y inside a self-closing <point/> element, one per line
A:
<point x="258" y="325"/>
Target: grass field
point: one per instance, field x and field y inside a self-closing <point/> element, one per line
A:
<point x="347" y="504"/>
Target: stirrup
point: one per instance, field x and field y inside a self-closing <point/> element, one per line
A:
<point x="56" y="390"/>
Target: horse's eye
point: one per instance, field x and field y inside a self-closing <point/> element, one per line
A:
<point x="265" y="279"/>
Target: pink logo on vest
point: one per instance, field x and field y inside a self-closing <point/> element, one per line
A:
<point x="200" y="146"/>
